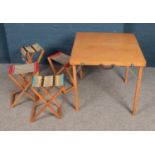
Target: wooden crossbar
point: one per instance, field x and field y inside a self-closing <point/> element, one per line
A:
<point x="46" y="103"/>
<point x="23" y="90"/>
<point x="23" y="81"/>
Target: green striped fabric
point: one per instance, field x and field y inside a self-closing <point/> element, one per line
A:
<point x="48" y="81"/>
<point x="37" y="81"/>
<point x="59" y="80"/>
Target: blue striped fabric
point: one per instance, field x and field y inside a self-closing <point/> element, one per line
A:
<point x="48" y="81"/>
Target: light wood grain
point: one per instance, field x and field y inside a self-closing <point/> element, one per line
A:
<point x="115" y="49"/>
<point x="135" y="104"/>
<point x="97" y="48"/>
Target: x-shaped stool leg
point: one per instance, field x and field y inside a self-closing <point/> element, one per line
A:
<point x="24" y="90"/>
<point x="47" y="103"/>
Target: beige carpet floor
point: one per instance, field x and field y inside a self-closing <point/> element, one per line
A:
<point x="105" y="103"/>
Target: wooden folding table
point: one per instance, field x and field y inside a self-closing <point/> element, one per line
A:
<point x="117" y="49"/>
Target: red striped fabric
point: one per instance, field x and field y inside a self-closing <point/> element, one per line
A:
<point x="54" y="54"/>
<point x="67" y="65"/>
<point x="11" y="69"/>
<point x="36" y="67"/>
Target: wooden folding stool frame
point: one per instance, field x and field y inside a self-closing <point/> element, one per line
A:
<point x="23" y="80"/>
<point x="47" y="103"/>
<point x="66" y="67"/>
<point x="28" y="52"/>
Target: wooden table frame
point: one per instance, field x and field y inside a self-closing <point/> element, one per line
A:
<point x="115" y="49"/>
<point x="136" y="98"/>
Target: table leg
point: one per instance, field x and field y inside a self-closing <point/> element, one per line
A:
<point x="126" y="74"/>
<point x="81" y="73"/>
<point x="75" y="88"/>
<point x="140" y="72"/>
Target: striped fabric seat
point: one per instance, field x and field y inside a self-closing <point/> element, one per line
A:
<point x="60" y="57"/>
<point x="37" y="47"/>
<point x="25" y="50"/>
<point x="32" y="50"/>
<point x="24" y="68"/>
<point x="48" y="81"/>
<point x="59" y="80"/>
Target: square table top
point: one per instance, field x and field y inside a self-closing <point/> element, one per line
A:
<point x="98" y="48"/>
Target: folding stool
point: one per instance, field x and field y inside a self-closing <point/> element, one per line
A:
<point x="63" y="59"/>
<point x="22" y="76"/>
<point x="32" y="53"/>
<point x="41" y="86"/>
